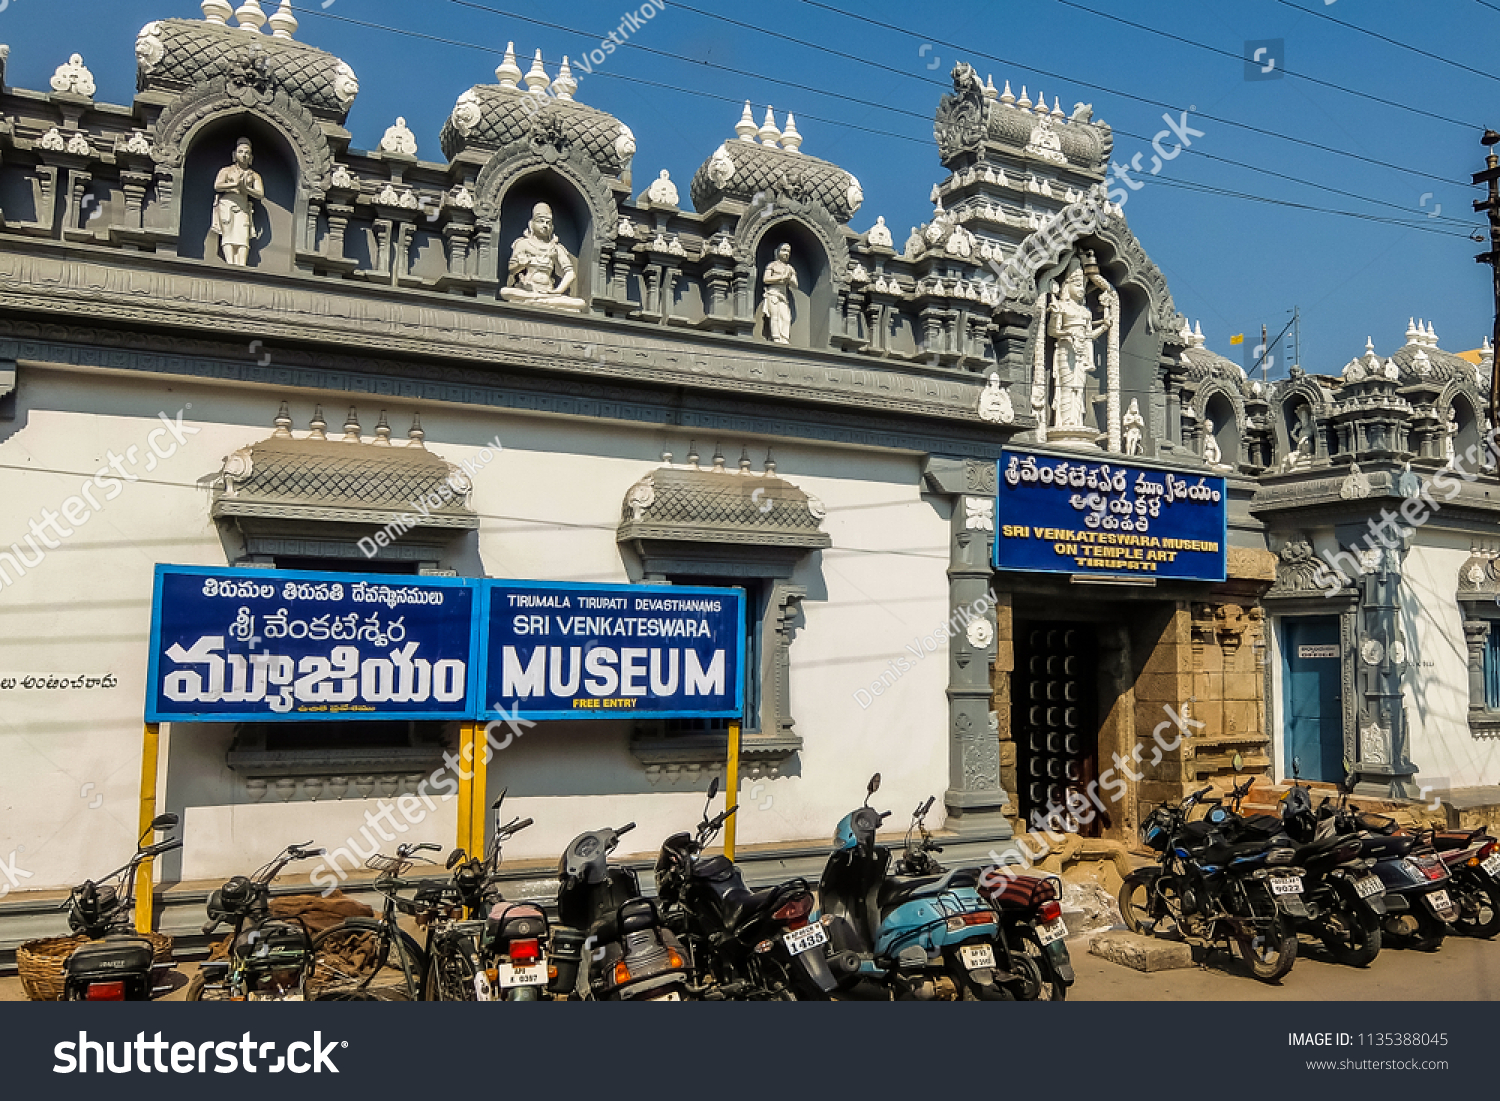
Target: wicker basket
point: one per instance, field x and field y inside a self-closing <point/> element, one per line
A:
<point x="40" y="962"/>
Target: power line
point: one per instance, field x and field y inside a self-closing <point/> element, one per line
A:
<point x="882" y="106"/>
<point x="1193" y="185"/>
<point x="1136" y="98"/>
<point x="489" y="50"/>
<point x="1289" y="72"/>
<point x="1392" y="41"/>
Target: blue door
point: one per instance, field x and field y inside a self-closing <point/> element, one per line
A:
<point x="1311" y="660"/>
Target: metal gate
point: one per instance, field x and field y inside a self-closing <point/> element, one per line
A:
<point x="1055" y="716"/>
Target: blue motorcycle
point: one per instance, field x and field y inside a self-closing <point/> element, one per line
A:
<point x="924" y="937"/>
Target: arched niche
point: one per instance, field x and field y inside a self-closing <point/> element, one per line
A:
<point x="273" y="244"/>
<point x="1470" y="430"/>
<point x="813" y="298"/>
<point x="572" y="223"/>
<point x="1221" y="410"/>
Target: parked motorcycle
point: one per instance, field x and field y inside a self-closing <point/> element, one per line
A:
<point x="634" y="957"/>
<point x="1419" y="906"/>
<point x="1220" y="879"/>
<point x="1344" y="899"/>
<point x="498" y="953"/>
<point x="269" y="959"/>
<point x="1473" y="861"/>
<point x="117" y="965"/>
<point x="754" y="945"/>
<point x="921" y="937"/>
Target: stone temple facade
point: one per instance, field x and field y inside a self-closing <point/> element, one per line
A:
<point x="745" y="379"/>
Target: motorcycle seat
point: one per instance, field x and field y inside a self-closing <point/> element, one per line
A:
<point x="1319" y="856"/>
<point x="740" y="906"/>
<point x="1447" y="840"/>
<point x="114" y="955"/>
<point x="1220" y="853"/>
<point x="1386" y="846"/>
<point x="899" y="890"/>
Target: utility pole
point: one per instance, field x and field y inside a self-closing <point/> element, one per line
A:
<point x="1491" y="204"/>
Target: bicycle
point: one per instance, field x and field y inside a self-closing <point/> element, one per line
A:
<point x="374" y="959"/>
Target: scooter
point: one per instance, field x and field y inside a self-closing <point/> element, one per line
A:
<point x="633" y="956"/>
<point x="924" y="937"/>
<point x="742" y="944"/>
<point x="117" y="965"/>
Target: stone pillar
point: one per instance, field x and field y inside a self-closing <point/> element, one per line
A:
<point x="975" y="799"/>
<point x="1476" y="632"/>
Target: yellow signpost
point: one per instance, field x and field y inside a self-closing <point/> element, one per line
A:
<point x="732" y="788"/>
<point x="144" y="881"/>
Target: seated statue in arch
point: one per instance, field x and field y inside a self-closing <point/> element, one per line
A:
<point x="541" y="271"/>
<point x="238" y="187"/>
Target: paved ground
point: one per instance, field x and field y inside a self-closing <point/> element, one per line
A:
<point x="1464" y="970"/>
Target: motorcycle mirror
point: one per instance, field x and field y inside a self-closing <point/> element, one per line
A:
<point x="872" y="787"/>
<point x="1239" y="762"/>
<point x="713" y="789"/>
<point x="1296" y="768"/>
<point x="455" y="858"/>
<point x="500" y="800"/>
<point x="164" y="822"/>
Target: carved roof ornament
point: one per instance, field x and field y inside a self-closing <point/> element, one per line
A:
<point x="348" y="480"/>
<point x="399" y="140"/>
<point x="284" y="23"/>
<point x="217" y="12"/>
<point x="719" y="506"/>
<point x="960" y="124"/>
<point x="149" y="48"/>
<point x="74" y="78"/>
<point x="53" y="141"/>
<point x="791" y="141"/>
<point x="662" y="191"/>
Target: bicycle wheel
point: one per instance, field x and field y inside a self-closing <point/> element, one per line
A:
<point x="363" y="956"/>
<point x="450" y="976"/>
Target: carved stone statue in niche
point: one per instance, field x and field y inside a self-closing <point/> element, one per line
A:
<point x="541" y="271"/>
<point x="1211" y="453"/>
<point x="1070" y="324"/>
<point x="776" y="306"/>
<point x="239" y="188"/>
<point x="1135" y="429"/>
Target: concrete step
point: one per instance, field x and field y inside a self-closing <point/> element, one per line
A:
<point x="1141" y="953"/>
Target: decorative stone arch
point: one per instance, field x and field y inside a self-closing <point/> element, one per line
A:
<point x="1299" y="391"/>
<point x="522" y="161"/>
<point x="1141" y="271"/>
<point x="185" y="118"/>
<point x="1467" y="404"/>
<point x="808" y="221"/>
<point x="1211" y="397"/>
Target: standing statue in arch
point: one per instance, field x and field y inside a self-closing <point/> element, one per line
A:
<point x="776" y="306"/>
<point x="239" y="187"/>
<point x="1069" y="323"/>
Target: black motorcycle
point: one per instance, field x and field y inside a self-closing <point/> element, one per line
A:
<point x="1219" y="880"/>
<point x="1473" y="860"/>
<point x="753" y="945"/>
<point x="268" y="959"/>
<point x="117" y="965"/>
<point x="632" y="955"/>
<point x="1344" y="899"/>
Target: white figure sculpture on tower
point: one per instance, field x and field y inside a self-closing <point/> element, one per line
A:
<point x="1071" y="323"/>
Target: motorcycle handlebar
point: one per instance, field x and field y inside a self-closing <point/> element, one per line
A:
<point x="623" y="830"/>
<point x="163" y="847"/>
<point x="209" y="927"/>
<point x="522" y="824"/>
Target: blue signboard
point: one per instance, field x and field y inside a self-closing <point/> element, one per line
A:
<point x="1109" y="519"/>
<point x="569" y="651"/>
<point x="239" y="645"/>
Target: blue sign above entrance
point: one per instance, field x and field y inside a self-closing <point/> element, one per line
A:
<point x="1109" y="519"/>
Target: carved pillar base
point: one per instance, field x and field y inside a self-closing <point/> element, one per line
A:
<point x="1074" y="437"/>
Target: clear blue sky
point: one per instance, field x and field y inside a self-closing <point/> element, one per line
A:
<point x="1233" y="263"/>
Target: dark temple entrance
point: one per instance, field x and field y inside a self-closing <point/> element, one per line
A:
<point x="1055" y="714"/>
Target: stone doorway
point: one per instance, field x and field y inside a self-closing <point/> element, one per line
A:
<point x="1055" y="716"/>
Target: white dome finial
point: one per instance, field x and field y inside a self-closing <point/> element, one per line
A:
<point x="284" y="24"/>
<point x="250" y="17"/>
<point x="509" y="73"/>
<point x="537" y="80"/>
<point x="791" y="141"/>
<point x="217" y="12"/>
<point x="565" y="84"/>
<point x="1007" y="97"/>
<point x="769" y="135"/>
<point x="746" y="128"/>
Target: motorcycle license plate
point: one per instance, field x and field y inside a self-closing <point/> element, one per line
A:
<point x="977" y="957"/>
<point x="1439" y="900"/>
<point x="533" y="975"/>
<point x="805" y="939"/>
<point x="1053" y="930"/>
<point x="1287" y="885"/>
<point x="1368" y="885"/>
<point x="1492" y="865"/>
<point x="672" y="997"/>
